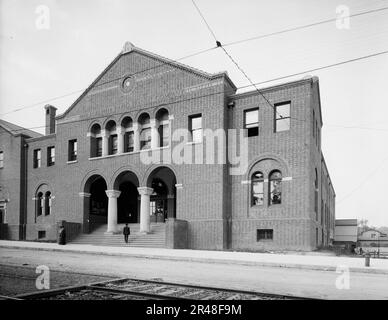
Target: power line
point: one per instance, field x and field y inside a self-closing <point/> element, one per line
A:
<point x="319" y="68"/>
<point x="243" y="87"/>
<point x="201" y="52"/>
<point x="235" y="63"/>
<point x="109" y="81"/>
<point x="300" y="27"/>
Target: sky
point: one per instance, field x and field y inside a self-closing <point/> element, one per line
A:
<point x="44" y="59"/>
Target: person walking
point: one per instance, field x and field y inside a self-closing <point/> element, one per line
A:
<point x="62" y="235"/>
<point x="126" y="232"/>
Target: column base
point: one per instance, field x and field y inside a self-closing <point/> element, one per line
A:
<point x="144" y="232"/>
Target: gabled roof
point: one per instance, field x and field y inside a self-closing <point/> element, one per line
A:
<point x="16" y="130"/>
<point x="129" y="48"/>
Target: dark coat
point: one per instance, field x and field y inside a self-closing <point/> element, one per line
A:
<point x="126" y="231"/>
<point x="62" y="236"/>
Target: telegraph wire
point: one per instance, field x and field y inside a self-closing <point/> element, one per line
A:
<point x="201" y="52"/>
<point x="319" y="68"/>
<point x="300" y="27"/>
<point x="218" y="43"/>
<point x="109" y="81"/>
<point x="242" y="87"/>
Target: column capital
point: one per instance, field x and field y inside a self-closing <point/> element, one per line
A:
<point x="145" y="191"/>
<point x="119" y="130"/>
<point x="84" y="194"/>
<point x="153" y="122"/>
<point x="113" y="193"/>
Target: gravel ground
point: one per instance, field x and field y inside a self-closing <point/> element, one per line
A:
<point x="16" y="280"/>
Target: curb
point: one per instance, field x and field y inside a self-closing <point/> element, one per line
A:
<point x="204" y="260"/>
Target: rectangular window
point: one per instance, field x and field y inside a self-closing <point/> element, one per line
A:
<point x="1" y="159"/>
<point x="50" y="156"/>
<point x="195" y="127"/>
<point x="72" y="150"/>
<point x="99" y="147"/>
<point x="251" y="122"/>
<point x="113" y="144"/>
<point x="128" y="142"/>
<point x="37" y="158"/>
<point x="41" y="234"/>
<point x="282" y="116"/>
<point x="264" y="234"/>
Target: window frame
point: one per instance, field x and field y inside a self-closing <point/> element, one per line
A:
<point x="50" y="157"/>
<point x="256" y="131"/>
<point x="279" y="104"/>
<point x="127" y="146"/>
<point x="72" y="150"/>
<point x="191" y="130"/>
<point x="270" y="181"/>
<point x="37" y="160"/>
<point x="268" y="235"/>
<point x="253" y="181"/>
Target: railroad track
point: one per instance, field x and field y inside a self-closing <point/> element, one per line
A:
<point x="136" y="289"/>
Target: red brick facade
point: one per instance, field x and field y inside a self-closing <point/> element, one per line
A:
<point x="216" y="205"/>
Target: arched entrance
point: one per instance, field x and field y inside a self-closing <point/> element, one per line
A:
<point x="163" y="199"/>
<point x="95" y="202"/>
<point x="128" y="201"/>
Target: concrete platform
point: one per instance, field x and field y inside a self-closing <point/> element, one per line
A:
<point x="299" y="261"/>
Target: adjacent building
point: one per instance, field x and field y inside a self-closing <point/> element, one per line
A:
<point x="115" y="156"/>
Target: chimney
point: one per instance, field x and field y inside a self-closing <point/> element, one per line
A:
<point x="50" y="119"/>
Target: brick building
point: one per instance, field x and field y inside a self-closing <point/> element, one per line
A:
<point x="93" y="164"/>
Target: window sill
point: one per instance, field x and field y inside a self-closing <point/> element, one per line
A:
<point x="194" y="142"/>
<point x="127" y="153"/>
<point x="72" y="161"/>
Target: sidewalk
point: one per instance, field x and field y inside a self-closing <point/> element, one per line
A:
<point x="311" y="262"/>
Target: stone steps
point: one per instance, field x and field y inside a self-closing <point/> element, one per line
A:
<point x="155" y="239"/>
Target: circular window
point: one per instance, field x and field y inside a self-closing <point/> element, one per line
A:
<point x="128" y="84"/>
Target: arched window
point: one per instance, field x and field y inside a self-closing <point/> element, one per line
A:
<point x="257" y="189"/>
<point x="47" y="203"/>
<point x="145" y="131"/>
<point x="95" y="141"/>
<point x="127" y="125"/>
<point x="39" y="204"/>
<point x="275" y="187"/>
<point x="112" y="134"/>
<point x="164" y="127"/>
<point x="316" y="194"/>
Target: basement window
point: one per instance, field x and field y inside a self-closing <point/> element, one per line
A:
<point x="41" y="234"/>
<point x="264" y="234"/>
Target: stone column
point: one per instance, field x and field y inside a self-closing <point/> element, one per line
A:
<point x="105" y="142"/>
<point x="154" y="134"/>
<point x="112" y="210"/>
<point x="136" y="137"/>
<point x="145" y="193"/>
<point x="120" y="140"/>
<point x="171" y="206"/>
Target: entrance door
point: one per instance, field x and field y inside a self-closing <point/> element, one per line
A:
<point x="158" y="209"/>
